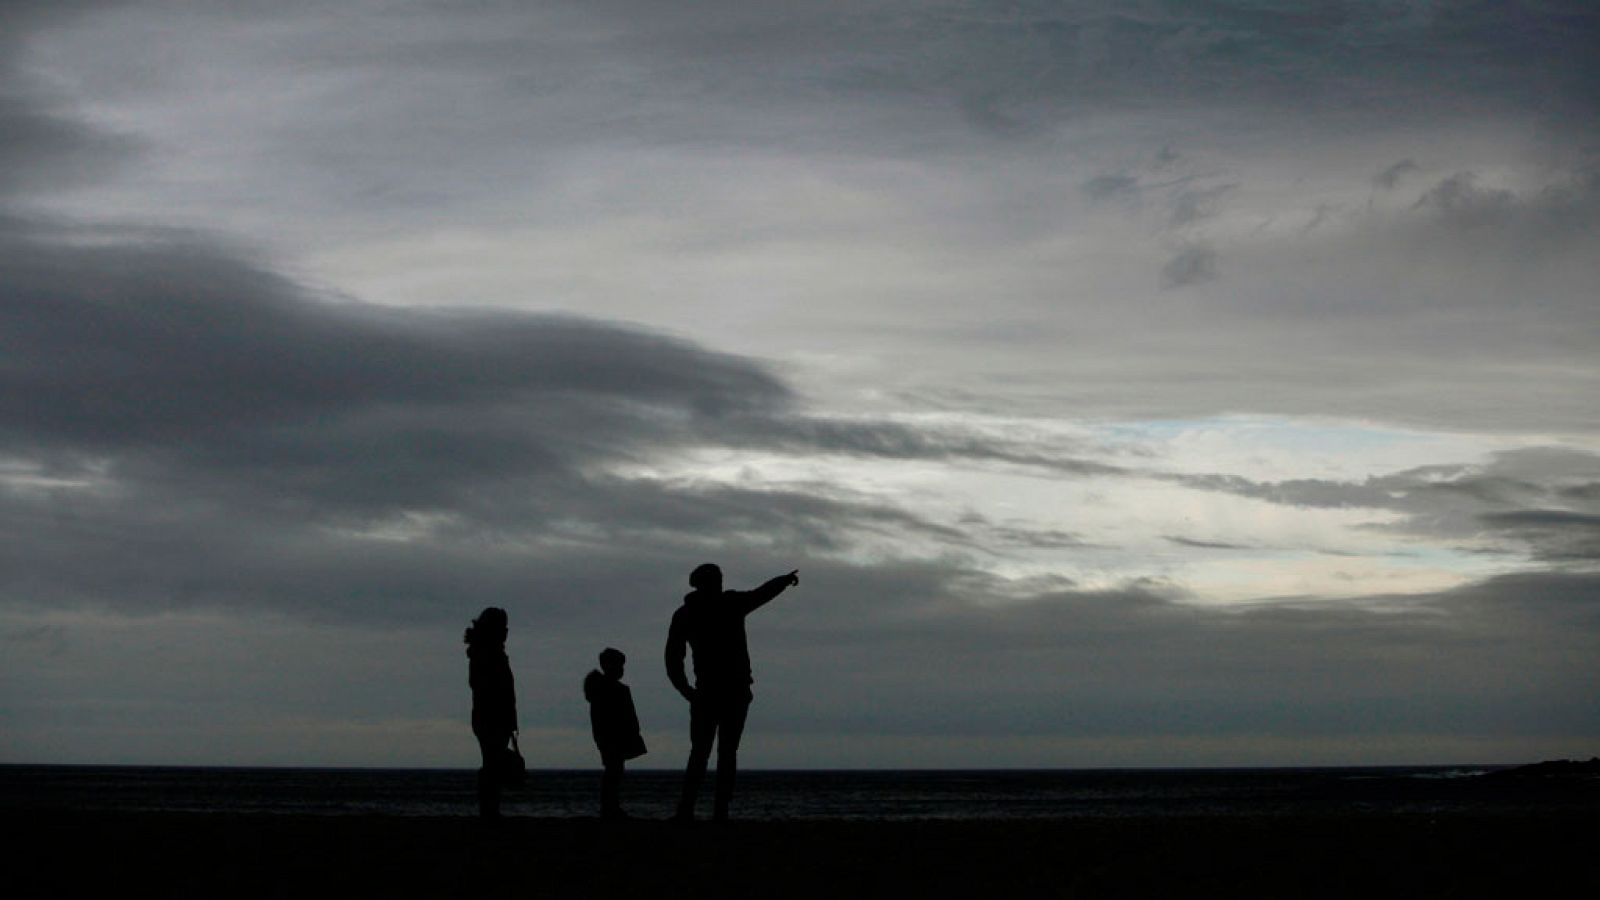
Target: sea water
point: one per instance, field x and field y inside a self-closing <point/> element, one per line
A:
<point x="801" y="795"/>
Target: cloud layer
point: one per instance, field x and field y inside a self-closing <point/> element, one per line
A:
<point x="1132" y="383"/>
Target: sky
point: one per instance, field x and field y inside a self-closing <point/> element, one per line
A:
<point x="1133" y="383"/>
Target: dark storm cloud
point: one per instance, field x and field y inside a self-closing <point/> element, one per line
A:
<point x="155" y="353"/>
<point x="179" y="354"/>
<point x="135" y="343"/>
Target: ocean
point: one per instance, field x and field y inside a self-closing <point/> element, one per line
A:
<point x="803" y="795"/>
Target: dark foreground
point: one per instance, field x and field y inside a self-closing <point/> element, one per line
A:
<point x="1357" y="855"/>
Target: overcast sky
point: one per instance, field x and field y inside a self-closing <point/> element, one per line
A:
<point x="1133" y="383"/>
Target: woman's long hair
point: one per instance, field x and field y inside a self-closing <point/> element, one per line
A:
<point x="487" y="630"/>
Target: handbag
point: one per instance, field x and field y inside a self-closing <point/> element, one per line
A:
<point x="513" y="769"/>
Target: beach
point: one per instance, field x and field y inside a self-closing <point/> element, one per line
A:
<point x="226" y="855"/>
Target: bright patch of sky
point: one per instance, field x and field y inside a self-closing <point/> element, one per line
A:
<point x="1021" y="522"/>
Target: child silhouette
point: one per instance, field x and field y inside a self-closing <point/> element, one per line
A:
<point x="615" y="725"/>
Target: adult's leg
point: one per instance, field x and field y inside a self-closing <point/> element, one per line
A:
<point x="702" y="733"/>
<point x="731" y="728"/>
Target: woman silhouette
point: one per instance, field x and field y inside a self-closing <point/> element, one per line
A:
<point x="494" y="701"/>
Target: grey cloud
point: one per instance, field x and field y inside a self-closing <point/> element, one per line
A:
<point x="1563" y="210"/>
<point x="1555" y="535"/>
<point x="575" y="550"/>
<point x="573" y="103"/>
<point x="1582" y="493"/>
<point x="1459" y="196"/>
<point x="889" y="440"/>
<point x="898" y="74"/>
<point x="824" y="519"/>
<point x="1539" y="518"/>
<point x="1137" y="660"/>
<point x="1194" y="205"/>
<point x="1390" y="178"/>
<point x="933" y="648"/>
<point x="1168" y="51"/>
<point x="1107" y="187"/>
<point x="215" y="437"/>
<point x="1320" y="216"/>
<point x="1203" y="545"/>
<point x="988" y="533"/>
<point x="1038" y="538"/>
<point x="1195" y="264"/>
<point x="52" y="638"/>
<point x="1378" y="492"/>
<point x="41" y="150"/>
<point x="987" y="114"/>
<point x="1507" y="478"/>
<point x="43" y="146"/>
<point x="198" y="432"/>
<point x="205" y="434"/>
<point x="1468" y="311"/>
<point x="182" y="351"/>
<point x="1459" y="501"/>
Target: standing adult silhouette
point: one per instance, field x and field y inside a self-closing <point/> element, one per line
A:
<point x="711" y="624"/>
<point x="494" y="702"/>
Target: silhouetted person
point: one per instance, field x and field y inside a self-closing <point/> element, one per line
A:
<point x="615" y="726"/>
<point x="711" y="623"/>
<point x="494" y="702"/>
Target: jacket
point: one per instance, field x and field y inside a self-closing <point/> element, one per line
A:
<point x="612" y="718"/>
<point x="494" y="691"/>
<point x="712" y="625"/>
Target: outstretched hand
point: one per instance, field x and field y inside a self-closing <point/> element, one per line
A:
<point x="793" y="578"/>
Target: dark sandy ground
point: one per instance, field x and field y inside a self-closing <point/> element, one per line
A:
<point x="228" y="856"/>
